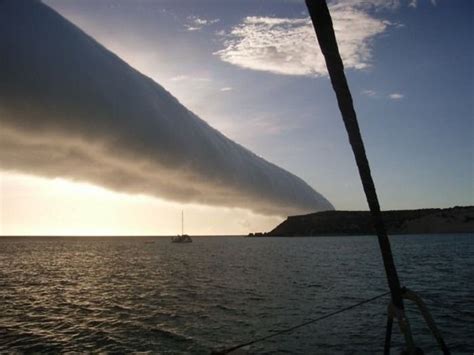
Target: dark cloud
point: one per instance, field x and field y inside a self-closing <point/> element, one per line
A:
<point x="71" y="108"/>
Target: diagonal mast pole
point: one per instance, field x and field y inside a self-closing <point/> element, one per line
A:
<point x="323" y="26"/>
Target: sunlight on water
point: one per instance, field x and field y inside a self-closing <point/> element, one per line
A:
<point x="124" y="294"/>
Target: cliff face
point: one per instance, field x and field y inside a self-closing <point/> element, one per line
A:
<point x="436" y="220"/>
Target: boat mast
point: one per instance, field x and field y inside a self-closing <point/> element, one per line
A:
<point x="182" y="222"/>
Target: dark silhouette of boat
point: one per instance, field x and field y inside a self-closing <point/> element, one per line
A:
<point x="182" y="238"/>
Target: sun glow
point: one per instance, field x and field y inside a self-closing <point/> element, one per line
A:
<point x="31" y="205"/>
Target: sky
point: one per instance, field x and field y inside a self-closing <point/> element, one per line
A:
<point x="253" y="71"/>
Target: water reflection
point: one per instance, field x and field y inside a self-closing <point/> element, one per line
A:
<point x="121" y="294"/>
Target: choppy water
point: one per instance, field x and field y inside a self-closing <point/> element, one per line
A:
<point x="148" y="295"/>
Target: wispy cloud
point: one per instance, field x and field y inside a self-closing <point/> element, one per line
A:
<point x="396" y="96"/>
<point x="183" y="77"/>
<point x="289" y="46"/>
<point x="196" y="23"/>
<point x="227" y="88"/>
<point x="262" y="124"/>
<point x="179" y="78"/>
<point x="375" y="95"/>
<point x="369" y="93"/>
<point x="267" y="126"/>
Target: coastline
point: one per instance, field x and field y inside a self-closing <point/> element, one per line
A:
<point x="359" y="223"/>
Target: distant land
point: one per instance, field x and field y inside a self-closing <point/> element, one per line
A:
<point x="421" y="221"/>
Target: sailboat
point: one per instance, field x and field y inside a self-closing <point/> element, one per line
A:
<point x="182" y="238"/>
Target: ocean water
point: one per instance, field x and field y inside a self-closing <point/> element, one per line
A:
<point x="149" y="295"/>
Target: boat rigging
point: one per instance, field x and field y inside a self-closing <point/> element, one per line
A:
<point x="182" y="238"/>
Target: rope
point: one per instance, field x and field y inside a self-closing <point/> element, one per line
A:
<point x="322" y="23"/>
<point x="288" y="330"/>
<point x="323" y="27"/>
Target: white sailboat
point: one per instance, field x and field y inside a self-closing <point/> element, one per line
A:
<point x="182" y="238"/>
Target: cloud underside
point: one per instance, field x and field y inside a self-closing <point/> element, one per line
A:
<point x="289" y="45"/>
<point x="70" y="108"/>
